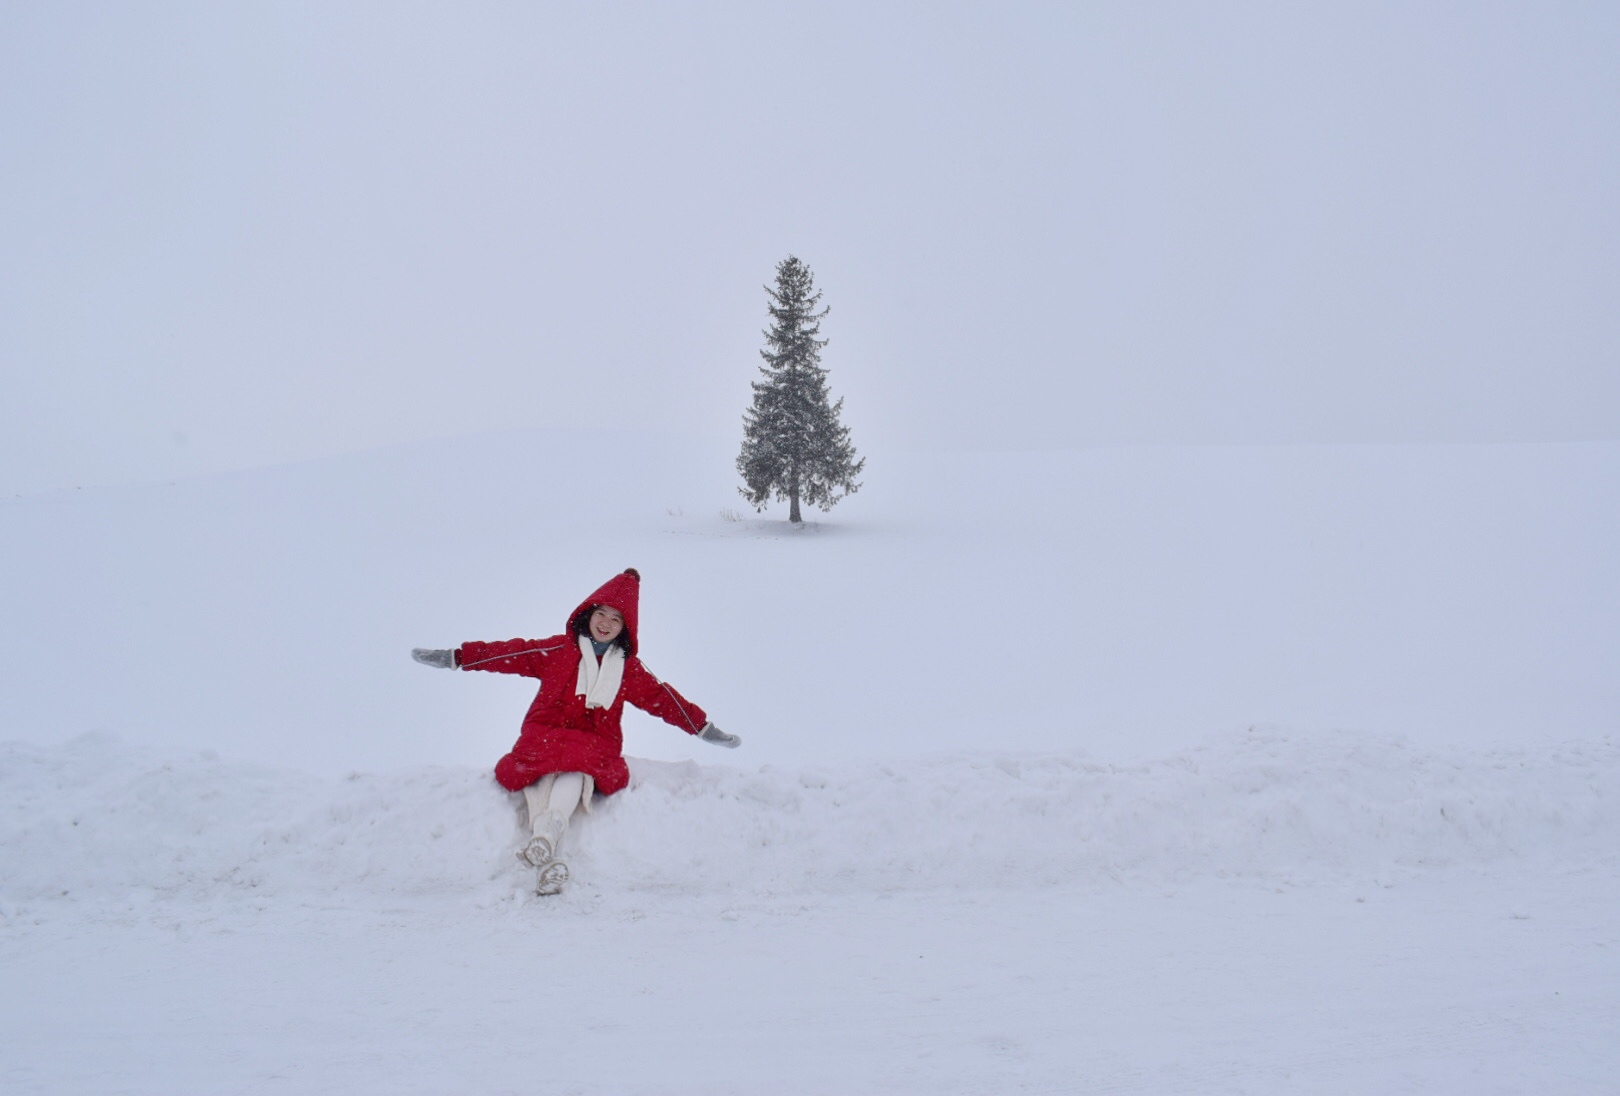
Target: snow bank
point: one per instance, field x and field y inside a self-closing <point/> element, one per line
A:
<point x="102" y="827"/>
<point x="98" y="821"/>
<point x="1264" y="804"/>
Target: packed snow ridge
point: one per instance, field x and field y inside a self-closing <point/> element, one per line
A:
<point x="99" y="827"/>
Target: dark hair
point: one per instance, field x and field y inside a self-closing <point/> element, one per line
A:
<point x="581" y="626"/>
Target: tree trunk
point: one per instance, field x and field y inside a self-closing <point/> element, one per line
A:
<point x="793" y="506"/>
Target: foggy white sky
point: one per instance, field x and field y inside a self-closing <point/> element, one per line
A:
<point x="244" y="234"/>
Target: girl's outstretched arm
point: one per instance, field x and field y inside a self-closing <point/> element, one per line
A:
<point x="513" y="656"/>
<point x="658" y="698"/>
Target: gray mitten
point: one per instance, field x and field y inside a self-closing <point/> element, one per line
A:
<point x="711" y="733"/>
<point x="444" y="660"/>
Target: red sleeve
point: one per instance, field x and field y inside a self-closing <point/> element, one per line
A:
<point x="513" y="656"/>
<point x="655" y="697"/>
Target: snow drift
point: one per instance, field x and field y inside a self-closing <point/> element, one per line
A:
<point x="98" y="826"/>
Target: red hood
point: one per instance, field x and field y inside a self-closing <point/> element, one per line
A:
<point x="621" y="592"/>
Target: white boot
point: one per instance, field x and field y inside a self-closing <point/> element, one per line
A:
<point x="551" y="800"/>
<point x="542" y="847"/>
<point x="551" y="878"/>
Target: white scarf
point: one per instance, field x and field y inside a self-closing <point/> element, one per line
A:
<point x="599" y="683"/>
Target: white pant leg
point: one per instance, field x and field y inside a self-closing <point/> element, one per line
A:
<point x="535" y="797"/>
<point x="552" y="801"/>
<point x="566" y="793"/>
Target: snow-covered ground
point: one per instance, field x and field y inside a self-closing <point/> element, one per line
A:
<point x="1220" y="770"/>
<point x="1269" y="913"/>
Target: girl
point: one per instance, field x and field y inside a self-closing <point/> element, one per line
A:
<point x="571" y="742"/>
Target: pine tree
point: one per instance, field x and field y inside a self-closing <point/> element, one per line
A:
<point x="794" y="447"/>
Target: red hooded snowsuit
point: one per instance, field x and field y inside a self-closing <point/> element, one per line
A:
<point x="561" y="735"/>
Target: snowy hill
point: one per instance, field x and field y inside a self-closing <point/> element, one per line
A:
<point x="1250" y="770"/>
<point x="1144" y="599"/>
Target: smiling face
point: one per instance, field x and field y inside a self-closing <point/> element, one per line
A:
<point x="606" y="624"/>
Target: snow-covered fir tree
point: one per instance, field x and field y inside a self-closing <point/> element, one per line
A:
<point x="794" y="446"/>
